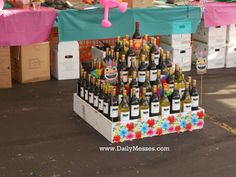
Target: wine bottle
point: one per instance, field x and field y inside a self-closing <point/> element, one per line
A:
<point x="142" y="71"/>
<point x="130" y="54"/>
<point x="114" y="106"/>
<point x="134" y="84"/>
<point x="137" y="34"/>
<point x="154" y="102"/>
<point x="164" y="69"/>
<point x="106" y="59"/>
<point x="124" y="69"/>
<point x="148" y="86"/>
<point x="145" y="39"/>
<point x="181" y="83"/>
<point x="118" y="45"/>
<point x="194" y="96"/>
<point x="124" y="112"/>
<point x="94" y="64"/>
<point x="159" y="66"/>
<point x="171" y="80"/>
<point x="121" y="88"/>
<point x="168" y="60"/>
<point x="80" y="87"/>
<point x="133" y="67"/>
<point x="175" y="100"/>
<point x="96" y="94"/>
<point x="186" y="102"/>
<point x="123" y="49"/>
<point x="159" y="84"/>
<point x="91" y="91"/>
<point x="134" y="105"/>
<point x="155" y="51"/>
<point x="177" y="72"/>
<point x="86" y="92"/>
<point x="106" y="101"/>
<point x="190" y="83"/>
<point x="165" y="105"/>
<point x="82" y="90"/>
<point x="101" y="97"/>
<point x="144" y="105"/>
<point x="153" y="70"/>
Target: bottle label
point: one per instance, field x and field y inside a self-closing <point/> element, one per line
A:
<point x="171" y="86"/>
<point x="148" y="95"/>
<point x="141" y="76"/>
<point x="129" y="62"/>
<point x="91" y="98"/>
<point x="86" y="95"/>
<point x="156" y="59"/>
<point x="125" y="76"/>
<point x="176" y="105"/>
<point x="100" y="104"/>
<point x="144" y="113"/>
<point x="124" y="116"/>
<point x="155" y="107"/>
<point x="187" y="107"/>
<point x="137" y="93"/>
<point x="195" y="101"/>
<point x="82" y="92"/>
<point x="153" y="75"/>
<point x="181" y="92"/>
<point x="146" y="62"/>
<point x="95" y="102"/>
<point x="113" y="111"/>
<point x="105" y="108"/>
<point x="120" y="96"/>
<point x="165" y="110"/>
<point x="134" y="110"/>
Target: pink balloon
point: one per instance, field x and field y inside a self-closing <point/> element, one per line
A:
<point x="1" y="4"/>
<point x="107" y="4"/>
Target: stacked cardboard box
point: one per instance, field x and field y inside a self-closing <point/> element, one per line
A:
<point x="180" y="49"/>
<point x="212" y="40"/>
<point x="5" y="68"/>
<point x="230" y="57"/>
<point x="30" y="63"/>
<point x="65" y="64"/>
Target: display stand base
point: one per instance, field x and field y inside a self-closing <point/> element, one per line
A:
<point x="141" y="128"/>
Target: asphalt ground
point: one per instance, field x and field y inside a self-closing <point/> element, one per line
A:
<point x="40" y="136"/>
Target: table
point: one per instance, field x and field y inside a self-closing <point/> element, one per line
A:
<point x="25" y="26"/>
<point x="84" y="25"/>
<point x="218" y="13"/>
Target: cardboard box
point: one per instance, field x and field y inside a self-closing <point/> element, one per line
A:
<point x="230" y="56"/>
<point x="215" y="54"/>
<point x="181" y="56"/>
<point x="66" y="61"/>
<point x="5" y="68"/>
<point x="213" y="36"/>
<point x="139" y="3"/>
<point x="30" y="63"/>
<point x="177" y="40"/>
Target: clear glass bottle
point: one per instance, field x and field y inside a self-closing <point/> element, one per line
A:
<point x="114" y="107"/>
<point x="144" y="105"/>
<point x="175" y="100"/>
<point x="124" y="112"/>
<point x="153" y="70"/>
<point x="165" y="105"/>
<point x="194" y="96"/>
<point x="142" y="71"/>
<point x="186" y="102"/>
<point x="148" y="86"/>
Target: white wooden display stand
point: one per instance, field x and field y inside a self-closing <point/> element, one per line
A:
<point x="140" y="128"/>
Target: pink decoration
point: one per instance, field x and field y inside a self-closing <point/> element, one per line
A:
<point x="1" y="4"/>
<point x="25" y="26"/>
<point x="111" y="4"/>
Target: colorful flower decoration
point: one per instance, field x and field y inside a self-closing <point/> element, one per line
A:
<point x="200" y="114"/>
<point x="171" y="119"/>
<point x="123" y="132"/>
<point x="138" y="135"/>
<point x="159" y="131"/>
<point x="177" y="129"/>
<point x="194" y="120"/>
<point x="116" y="139"/>
<point x="130" y="136"/>
<point x="171" y="129"/>
<point x="130" y="126"/>
<point x="151" y="122"/>
<point x="200" y="123"/>
<point x="144" y="128"/>
<point x="189" y="127"/>
<point x="183" y="123"/>
<point x="165" y="125"/>
<point x="150" y="132"/>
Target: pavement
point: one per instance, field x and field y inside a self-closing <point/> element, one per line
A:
<point x="40" y="136"/>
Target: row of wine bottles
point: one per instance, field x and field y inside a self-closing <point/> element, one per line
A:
<point x="126" y="102"/>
